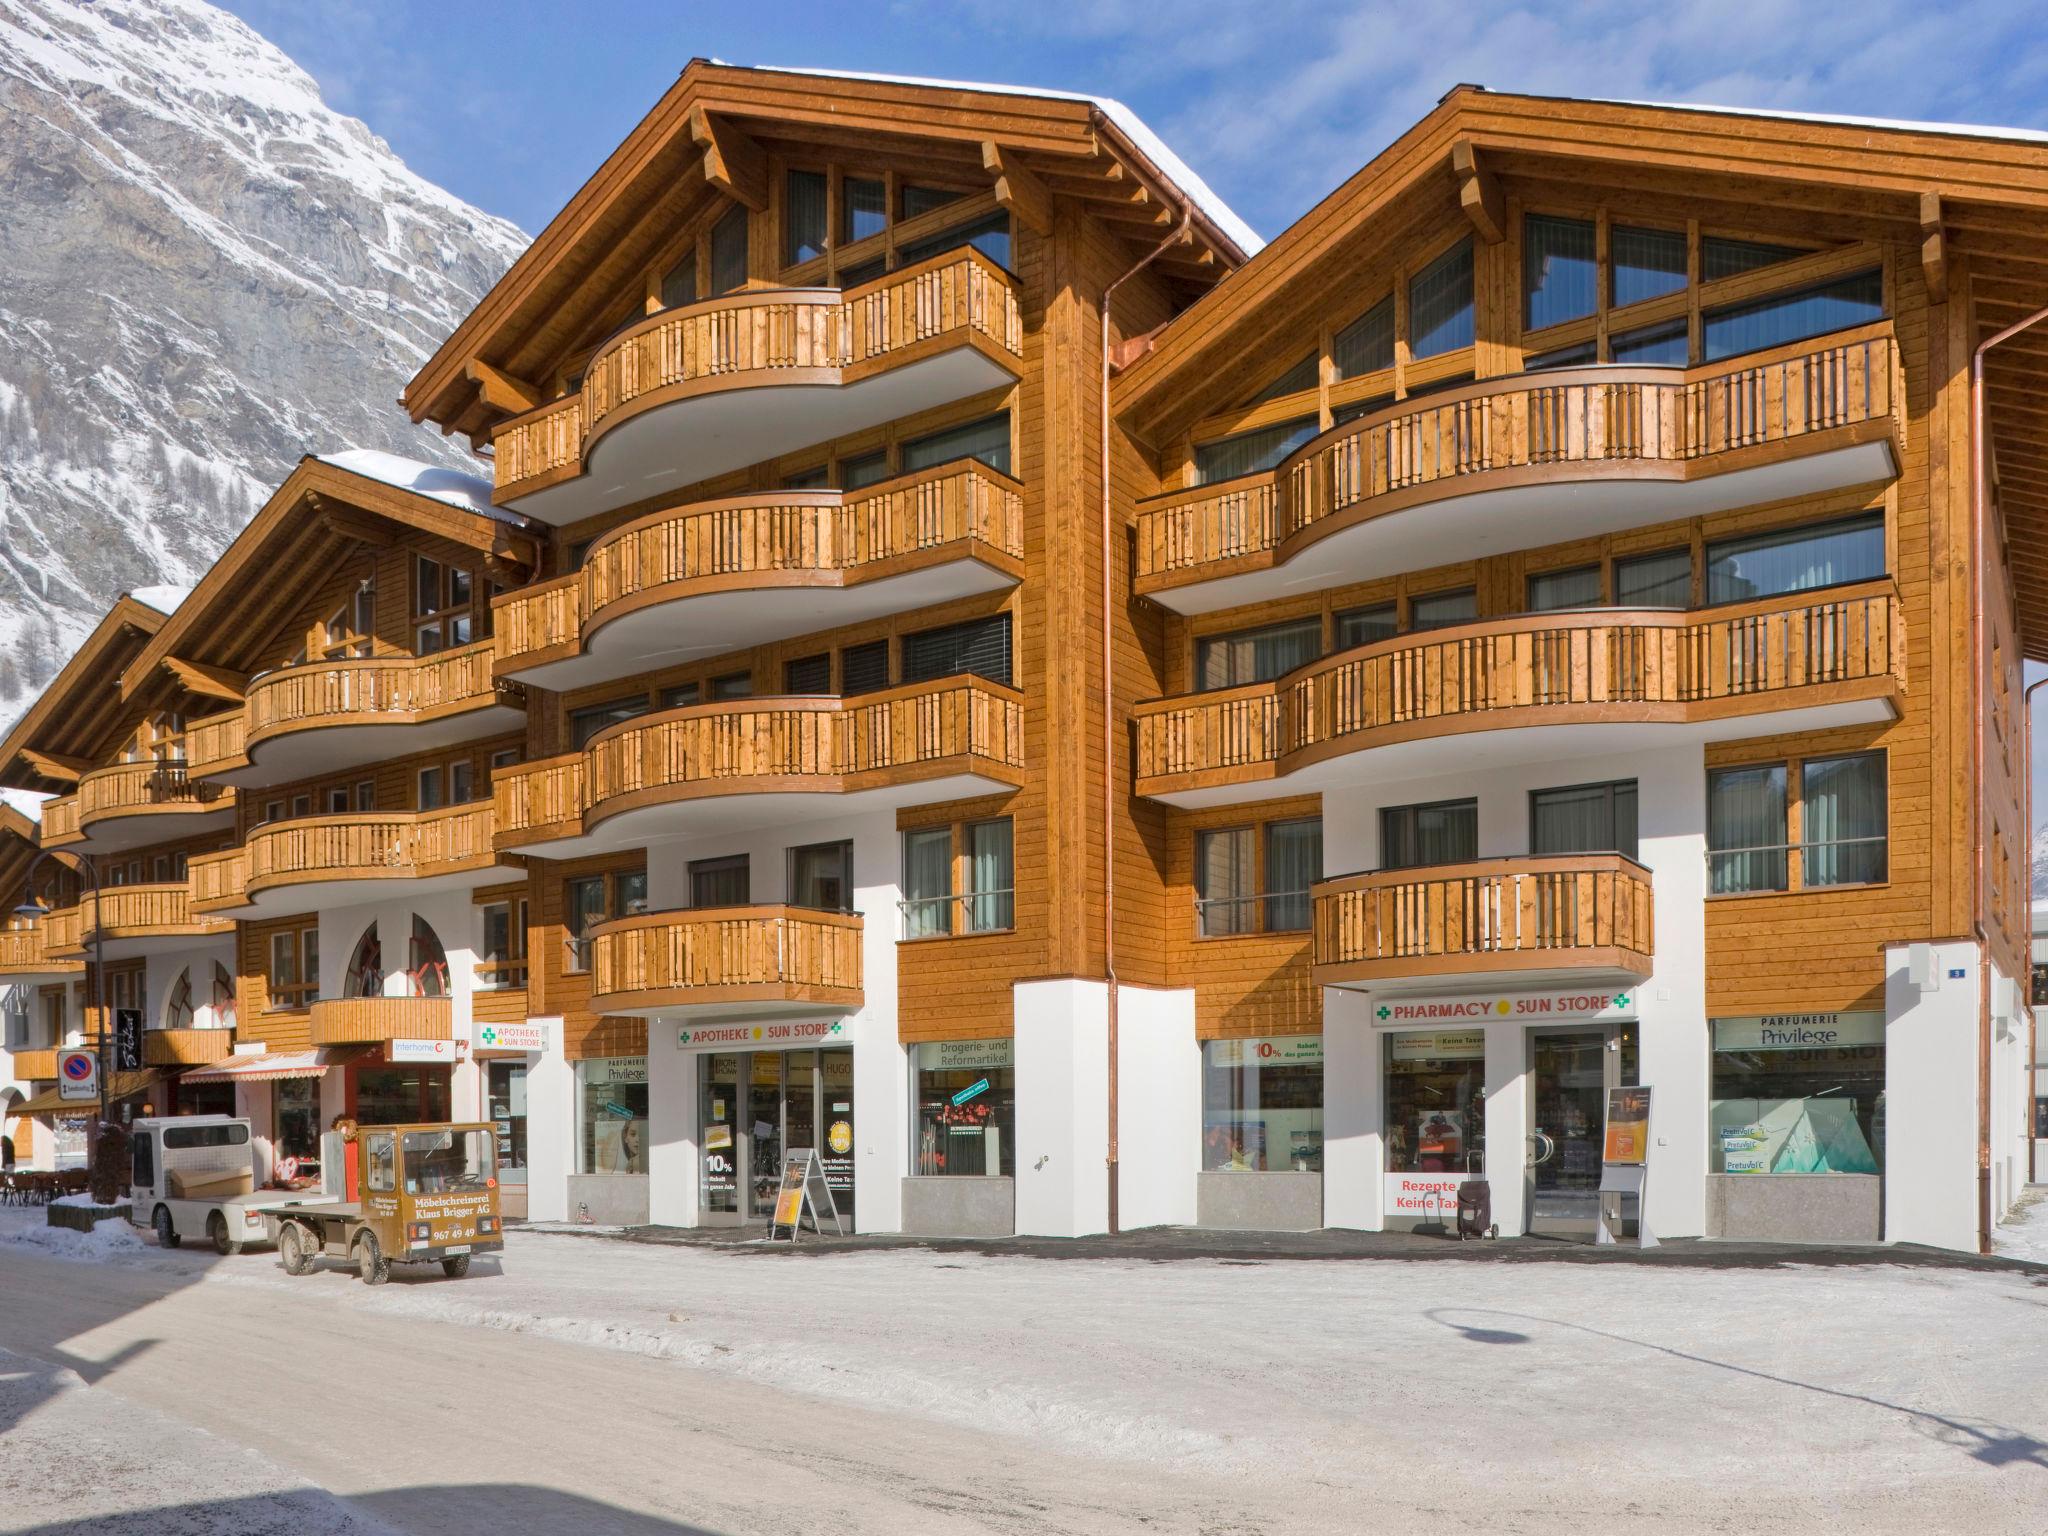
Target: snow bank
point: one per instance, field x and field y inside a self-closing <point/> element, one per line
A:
<point x="26" y="801"/>
<point x="107" y="1242"/>
<point x="164" y="600"/>
<point x="82" y="1199"/>
<point x="2025" y="1233"/>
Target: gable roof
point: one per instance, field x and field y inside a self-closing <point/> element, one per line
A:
<point x="74" y="717"/>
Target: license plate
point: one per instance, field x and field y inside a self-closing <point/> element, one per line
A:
<point x="454" y="1248"/>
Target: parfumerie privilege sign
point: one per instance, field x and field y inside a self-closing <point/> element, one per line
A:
<point x="1799" y="1031"/>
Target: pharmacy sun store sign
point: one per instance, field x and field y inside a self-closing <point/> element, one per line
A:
<point x="1495" y="1008"/>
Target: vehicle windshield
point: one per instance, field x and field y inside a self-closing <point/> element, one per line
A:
<point x="439" y="1161"/>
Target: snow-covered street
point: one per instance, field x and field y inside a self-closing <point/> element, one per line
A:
<point x="726" y="1389"/>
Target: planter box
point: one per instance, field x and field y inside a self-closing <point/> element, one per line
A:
<point x="83" y="1218"/>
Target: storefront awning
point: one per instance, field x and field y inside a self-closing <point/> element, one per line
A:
<point x="120" y="1085"/>
<point x="273" y="1065"/>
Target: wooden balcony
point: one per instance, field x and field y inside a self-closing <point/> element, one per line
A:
<point x="303" y="865"/>
<point x="1527" y="460"/>
<point x="1532" y="920"/>
<point x="373" y="1020"/>
<point x="750" y="570"/>
<point x="747" y="763"/>
<point x="26" y="960"/>
<point x="744" y="960"/>
<point x="126" y="805"/>
<point x="35" y="1066"/>
<point x="124" y="921"/>
<point x="697" y="390"/>
<point x="1618" y="679"/>
<point x="329" y="716"/>
<point x="186" y="1047"/>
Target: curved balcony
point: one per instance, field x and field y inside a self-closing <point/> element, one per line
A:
<point x="26" y="960"/>
<point x="127" y="805"/>
<point x="697" y="390"/>
<point x="124" y="921"/>
<point x="1532" y="459"/>
<point x="314" y="862"/>
<point x="748" y="763"/>
<point x="1560" y="919"/>
<point x="35" y="1066"/>
<point x="186" y="1047"/>
<point x="758" y="961"/>
<point x="375" y="1020"/>
<point x="330" y="716"/>
<point x="1502" y="690"/>
<point x="723" y="576"/>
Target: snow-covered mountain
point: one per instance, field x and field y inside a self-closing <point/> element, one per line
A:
<point x="204" y="273"/>
<point x="2040" y="864"/>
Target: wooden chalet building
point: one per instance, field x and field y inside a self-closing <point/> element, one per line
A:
<point x="965" y="662"/>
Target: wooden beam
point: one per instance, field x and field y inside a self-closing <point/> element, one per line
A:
<point x="500" y="390"/>
<point x="209" y="682"/>
<point x="732" y="162"/>
<point x="348" y="523"/>
<point x="1018" y="189"/>
<point x="66" y="770"/>
<point x="1479" y="194"/>
<point x="1933" y="249"/>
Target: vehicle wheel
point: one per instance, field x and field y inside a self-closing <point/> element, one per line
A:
<point x="166" y="1234"/>
<point x="370" y="1261"/>
<point x="456" y="1267"/>
<point x="292" y="1250"/>
<point x="217" y="1229"/>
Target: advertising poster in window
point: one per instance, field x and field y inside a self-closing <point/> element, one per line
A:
<point x="1628" y="1126"/>
<point x="621" y="1145"/>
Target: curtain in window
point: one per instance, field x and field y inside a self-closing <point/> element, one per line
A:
<point x="1294" y="862"/>
<point x="1662" y="580"/>
<point x="1440" y="304"/>
<point x="987" y="440"/>
<point x="1789" y="317"/>
<point x="1248" y="453"/>
<point x="1795" y="559"/>
<point x="1362" y="626"/>
<point x="1584" y="818"/>
<point x="721" y="882"/>
<point x="1842" y="803"/>
<point x="803" y="217"/>
<point x="1416" y="835"/>
<point x="1366" y="345"/>
<point x="1654" y="346"/>
<point x="1576" y="588"/>
<point x="991" y="876"/>
<point x="1722" y="257"/>
<point x="1746" y="829"/>
<point x="729" y="251"/>
<point x="1225" y="873"/>
<point x="1441" y="609"/>
<point x="1558" y="270"/>
<point x="1256" y="655"/>
<point x="1647" y="263"/>
<point x="927" y="882"/>
<point x="865" y="470"/>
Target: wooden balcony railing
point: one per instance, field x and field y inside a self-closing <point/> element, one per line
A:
<point x="218" y="879"/>
<point x="35" y="1066"/>
<point x="186" y="1047"/>
<point x="725" y="955"/>
<point x="63" y="932"/>
<point x="762" y="336"/>
<point x="1538" y="669"/>
<point x="218" y="742"/>
<point x="366" y="1020"/>
<point x="1564" y="425"/>
<point x="62" y="821"/>
<point x="797" y="538"/>
<point x="144" y="911"/>
<point x="401" y="845"/>
<point x="26" y="952"/>
<point x="1564" y="911"/>
<point x="140" y="789"/>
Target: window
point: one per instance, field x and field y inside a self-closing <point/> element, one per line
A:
<point x="679" y="696"/>
<point x="991" y="902"/>
<point x="1723" y="257"/>
<point x="1842" y="820"/>
<point x="966" y="1110"/>
<point x="979" y="646"/>
<point x="1795" y="559"/>
<point x="734" y="685"/>
<point x="1582" y="355"/>
<point x="1435" y="1118"/>
<point x="587" y="722"/>
<point x="1798" y="1093"/>
<point x="1256" y="655"/>
<point x="721" y="882"/>
<point x="401" y="1096"/>
<point x="1746" y="829"/>
<point x="1262" y="1105"/>
<point x="1226" y="882"/>
<point x="1294" y="862"/>
<point x="1789" y="317"/>
<point x="863" y="208"/>
<point x="864" y="470"/>
<point x="1296" y="379"/>
<point x="302" y="805"/>
<point x="863" y="272"/>
<point x="817" y="478"/>
<point x="1558" y="270"/>
<point x="729" y="251"/>
<point x="1647" y="263"/>
<point x="430" y="796"/>
<point x="922" y="200"/>
<point x="365" y="974"/>
<point x="967" y="870"/>
<point x="142" y="1163"/>
<point x="1248" y="453"/>
<point x="990" y="236"/>
<point x="505" y="757"/>
<point x="987" y="440"/>
<point x="1440" y="610"/>
<point x="679" y="282"/>
<point x="1578" y="587"/>
<point x="1584" y="818"/>
<point x="337" y="801"/>
<point x="927" y="882"/>
<point x="1366" y="345"/>
<point x="1363" y="626"/>
<point x="586" y="909"/>
<point x="426" y="967"/>
<point x="611" y="1102"/>
<point x="295" y="1128"/>
<point x="380" y="1161"/>
<point x="461" y="781"/>
<point x="807" y="675"/>
<point x="501" y="961"/>
<point x="1660" y="580"/>
<point x="294" y="976"/>
<point x="803" y="217"/>
<point x="821" y="877"/>
<point x="1440" y="832"/>
<point x="1340" y="414"/>
<point x="178" y="1011"/>
<point x="366" y="795"/>
<point x="864" y="668"/>
<point x="1440" y="304"/>
<point x="1654" y="345"/>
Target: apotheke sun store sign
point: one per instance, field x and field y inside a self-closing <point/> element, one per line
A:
<point x="1578" y="1007"/>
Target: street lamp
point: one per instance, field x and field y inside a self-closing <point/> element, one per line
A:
<point x="33" y="910"/>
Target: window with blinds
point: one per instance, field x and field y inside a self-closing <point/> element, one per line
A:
<point x="1440" y="304"/>
<point x="979" y="646"/>
<point x="1558" y="270"/>
<point x="729" y="251"/>
<point x="1578" y="587"/>
<point x="1647" y="263"/>
<point x="863" y="469"/>
<point x="1788" y="317"/>
<point x="1296" y="379"/>
<point x="1248" y="453"/>
<point x="679" y="282"/>
<point x="1722" y="257"/>
<point x="1362" y="626"/>
<point x="1256" y="655"/>
<point x="987" y="440"/>
<point x="803" y="216"/>
<point x="1442" y="832"/>
<point x="863" y="208"/>
<point x="1796" y="559"/>
<point x="1366" y="345"/>
<point x="990" y="236"/>
<point x="864" y="668"/>
<point x="807" y="674"/>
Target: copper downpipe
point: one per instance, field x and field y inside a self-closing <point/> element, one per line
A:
<point x="2033" y="1015"/>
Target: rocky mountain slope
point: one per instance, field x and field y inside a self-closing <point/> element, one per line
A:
<point x="204" y="272"/>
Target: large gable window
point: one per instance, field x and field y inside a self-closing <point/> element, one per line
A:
<point x="1440" y="303"/>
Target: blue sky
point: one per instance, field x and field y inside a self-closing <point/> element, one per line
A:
<point x="512" y="104"/>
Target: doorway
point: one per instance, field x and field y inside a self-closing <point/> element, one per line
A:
<point x="752" y="1106"/>
<point x="1570" y="1071"/>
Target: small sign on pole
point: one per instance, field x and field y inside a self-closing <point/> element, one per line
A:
<point x="1625" y="1165"/>
<point x="127" y="1039"/>
<point x="78" y="1075"/>
<point x="803" y="1191"/>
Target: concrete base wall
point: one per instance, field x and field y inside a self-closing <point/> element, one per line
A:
<point x="960" y="1207"/>
<point x="1259" y="1202"/>
<point x="614" y="1199"/>
<point x="1796" y="1207"/>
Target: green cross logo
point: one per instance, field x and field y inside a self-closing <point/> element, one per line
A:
<point x="490" y="1036"/>
<point x="686" y="1037"/>
<point x="1385" y="1013"/>
<point x="1621" y="1001"/>
<point x="835" y="1029"/>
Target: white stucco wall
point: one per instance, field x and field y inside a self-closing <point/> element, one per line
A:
<point x="1062" y="1056"/>
<point x="1931" y="1055"/>
<point x="1159" y="1107"/>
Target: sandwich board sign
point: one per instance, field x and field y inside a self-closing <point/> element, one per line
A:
<point x="1625" y="1165"/>
<point x="78" y="1075"/>
<point x="803" y="1190"/>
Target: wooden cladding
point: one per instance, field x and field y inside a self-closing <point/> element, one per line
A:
<point x="371" y="846"/>
<point x="1589" y="911"/>
<point x="62" y="822"/>
<point x="26" y="951"/>
<point x="129" y="912"/>
<point x="724" y="955"/>
<point x="773" y="538"/>
<point x="186" y="1047"/>
<point x="1538" y="669"/>
<point x="137" y="789"/>
<point x="35" y="1066"/>
<point x="764" y="336"/>
<point x="1567" y="424"/>
<point x="370" y="1020"/>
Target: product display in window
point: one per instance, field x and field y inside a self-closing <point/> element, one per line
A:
<point x="1798" y="1093"/>
<point x="1262" y="1105"/>
<point x="613" y="1114"/>
<point x="1436" y="1102"/>
<point x="966" y="1109"/>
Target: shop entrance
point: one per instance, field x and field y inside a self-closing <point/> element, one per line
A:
<point x="1570" y="1071"/>
<point x="753" y="1105"/>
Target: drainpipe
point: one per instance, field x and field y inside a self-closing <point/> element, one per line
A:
<point x="1980" y="518"/>
<point x="2033" y="1015"/>
<point x="1109" y="721"/>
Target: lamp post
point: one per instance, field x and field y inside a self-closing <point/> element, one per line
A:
<point x="31" y="908"/>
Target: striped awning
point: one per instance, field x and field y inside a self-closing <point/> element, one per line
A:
<point x="273" y="1065"/>
<point x="120" y="1085"/>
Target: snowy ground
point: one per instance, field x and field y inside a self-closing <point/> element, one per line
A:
<point x="1265" y="1395"/>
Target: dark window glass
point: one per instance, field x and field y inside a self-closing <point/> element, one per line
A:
<point x="1558" y="270"/>
<point x="807" y="674"/>
<point x="1366" y="345"/>
<point x="1296" y="379"/>
<point x="1842" y="820"/>
<point x="1669" y="343"/>
<point x="990" y="236"/>
<point x="679" y="696"/>
<point x="1343" y="413"/>
<point x="1579" y="356"/>
<point x="724" y="882"/>
<point x="917" y="200"/>
<point x="1443" y="832"/>
<point x="865" y="272"/>
<point x="1226" y="882"/>
<point x="729" y="251"/>
<point x="1247" y="453"/>
<point x="1362" y="626"/>
<point x="1440" y="304"/>
<point x="1440" y="610"/>
<point x="864" y="668"/>
<point x="1579" y="587"/>
<point x="1722" y="257"/>
<point x="1746" y="829"/>
<point x="1795" y="559"/>
<point x="821" y="877"/>
<point x="679" y="282"/>
<point x="803" y="217"/>
<point x="1648" y="263"/>
<point x="1256" y="655"/>
<point x="863" y="208"/>
<point x="863" y="470"/>
<point x="734" y="685"/>
<point x="1584" y="818"/>
<point x="1789" y="317"/>
<point x="1294" y="862"/>
<point x="1660" y="580"/>
<point x="816" y="478"/>
<point x="586" y="723"/>
<point x="979" y="646"/>
<point x="987" y="440"/>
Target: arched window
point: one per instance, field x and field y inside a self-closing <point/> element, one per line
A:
<point x="223" y="1006"/>
<point x="365" y="967"/>
<point x="426" y="971"/>
<point x="178" y="1011"/>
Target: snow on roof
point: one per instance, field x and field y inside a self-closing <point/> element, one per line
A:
<point x="1842" y="120"/>
<point x="1133" y="127"/>
<point x="164" y="600"/>
<point x="26" y="801"/>
<point x="469" y="492"/>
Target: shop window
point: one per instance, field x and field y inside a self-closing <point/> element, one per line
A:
<point x="295" y="1131"/>
<point x="1666" y="345"/>
<point x="1249" y="453"/>
<point x="1647" y="263"/>
<point x="863" y="470"/>
<point x="1584" y="818"/>
<point x="1660" y="580"/>
<point x="966" y="1110"/>
<point x="501" y="960"/>
<point x="990" y="236"/>
<point x="1798" y="559"/>
<point x="803" y="216"/>
<point x="979" y="646"/>
<point x="864" y="668"/>
<point x="821" y="877"/>
<point x="1256" y="655"/>
<point x="611" y="1101"/>
<point x="986" y="440"/>
<point x="1440" y="304"/>
<point x="1558" y="270"/>
<point x="587" y="722"/>
<point x="1435" y="1107"/>
<point x="863" y="208"/>
<point x="1721" y="256"/>
<point x="365" y="977"/>
<point x="729" y="251"/>
<point x="1798" y="1093"/>
<point x="1842" y="820"/>
<point x="1262" y="1105"/>
<point x="294" y="975"/>
<point x="1746" y="829"/>
<point x="1441" y="610"/>
<point x="1364" y="626"/>
<point x="426" y="970"/>
<point x="927" y="882"/>
<point x="1788" y="317"/>
<point x="507" y="1094"/>
<point x="1551" y="591"/>
<point x="1366" y="345"/>
<point x="1440" y="832"/>
<point x="401" y="1095"/>
<point x="807" y="675"/>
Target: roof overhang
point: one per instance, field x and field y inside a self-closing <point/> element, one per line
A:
<point x="70" y="724"/>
